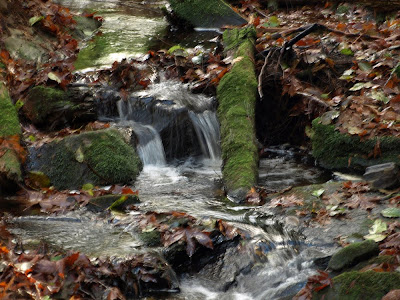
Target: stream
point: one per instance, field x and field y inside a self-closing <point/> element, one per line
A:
<point x="188" y="183"/>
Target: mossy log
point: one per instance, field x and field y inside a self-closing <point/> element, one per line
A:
<point x="337" y="151"/>
<point x="237" y="94"/>
<point x="206" y="13"/>
<point x="10" y="131"/>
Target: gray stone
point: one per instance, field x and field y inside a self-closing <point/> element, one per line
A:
<point x="383" y="176"/>
<point x="353" y="254"/>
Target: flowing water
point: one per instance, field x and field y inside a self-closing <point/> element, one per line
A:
<point x="188" y="183"/>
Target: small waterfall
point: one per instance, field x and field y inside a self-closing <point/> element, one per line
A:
<point x="185" y="121"/>
<point x="150" y="148"/>
<point x="207" y="130"/>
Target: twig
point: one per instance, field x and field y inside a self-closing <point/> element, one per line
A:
<point x="260" y="77"/>
<point x="313" y="98"/>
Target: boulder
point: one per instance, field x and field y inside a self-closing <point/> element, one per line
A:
<point x="383" y="176"/>
<point x="206" y="13"/>
<point x="98" y="157"/>
<point x="51" y="108"/>
<point x="353" y="254"/>
<point x="10" y="131"/>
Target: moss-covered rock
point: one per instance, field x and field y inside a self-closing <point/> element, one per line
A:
<point x="361" y="285"/>
<point x="46" y="105"/>
<point x="113" y="202"/>
<point x="206" y="13"/>
<point x="10" y="167"/>
<point x="335" y="150"/>
<point x="236" y="94"/>
<point x="98" y="157"/>
<point x="353" y="254"/>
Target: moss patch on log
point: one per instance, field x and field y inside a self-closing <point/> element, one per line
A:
<point x="99" y="157"/>
<point x="236" y="94"/>
<point x="335" y="150"/>
<point x="206" y="13"/>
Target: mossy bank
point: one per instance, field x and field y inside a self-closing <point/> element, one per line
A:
<point x="10" y="131"/>
<point x="334" y="150"/>
<point x="99" y="157"/>
<point x="206" y="13"/>
<point x="361" y="285"/>
<point x="236" y="94"/>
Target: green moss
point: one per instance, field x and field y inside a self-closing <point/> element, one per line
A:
<point x="334" y="150"/>
<point x="43" y="102"/>
<point x="10" y="168"/>
<point x="242" y="38"/>
<point x="206" y="13"/>
<point x="9" y="123"/>
<point x="363" y="285"/>
<point x="93" y="51"/>
<point x="352" y="254"/>
<point x="98" y="157"/>
<point x="237" y="96"/>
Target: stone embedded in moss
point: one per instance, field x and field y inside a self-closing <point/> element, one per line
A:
<point x="10" y="167"/>
<point x="353" y="254"/>
<point x="206" y="13"/>
<point x="46" y="105"/>
<point x="236" y="94"/>
<point x="98" y="157"/>
<point x="151" y="238"/>
<point x="361" y="285"/>
<point x="335" y="150"/>
<point x="114" y="202"/>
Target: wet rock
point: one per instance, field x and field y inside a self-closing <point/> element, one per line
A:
<point x="10" y="131"/>
<point x="99" y="157"/>
<point x="115" y="202"/>
<point x="383" y="176"/>
<point x="53" y="108"/>
<point x="353" y="254"/>
<point x="361" y="285"/>
<point x="223" y="274"/>
<point x="206" y="13"/>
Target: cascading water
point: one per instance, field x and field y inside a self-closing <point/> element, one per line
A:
<point x="207" y="130"/>
<point x="169" y="109"/>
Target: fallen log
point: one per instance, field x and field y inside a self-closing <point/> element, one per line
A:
<point x="237" y="94"/>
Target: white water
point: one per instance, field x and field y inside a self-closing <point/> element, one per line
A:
<point x="207" y="129"/>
